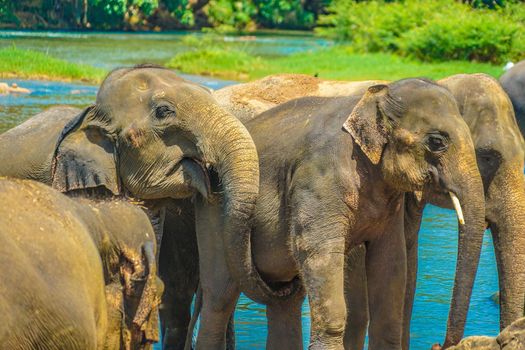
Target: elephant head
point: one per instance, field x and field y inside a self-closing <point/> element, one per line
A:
<point x="413" y="130"/>
<point x="154" y="135"/>
<point x="500" y="153"/>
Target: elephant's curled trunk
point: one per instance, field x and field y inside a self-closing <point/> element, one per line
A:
<point x="237" y="165"/>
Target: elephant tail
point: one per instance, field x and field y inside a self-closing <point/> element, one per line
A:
<point x="196" y="311"/>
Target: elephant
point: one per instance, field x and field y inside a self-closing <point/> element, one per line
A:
<point x="152" y="136"/>
<point x="247" y="100"/>
<point x="325" y="190"/>
<point x="499" y="146"/>
<point x="61" y="253"/>
<point x="513" y="82"/>
<point x="483" y="105"/>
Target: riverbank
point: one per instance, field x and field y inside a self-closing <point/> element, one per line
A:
<point x="337" y="62"/>
<point x="229" y="61"/>
<point x="29" y="64"/>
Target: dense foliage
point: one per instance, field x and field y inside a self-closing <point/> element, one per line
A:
<point x="480" y="30"/>
<point x="430" y="30"/>
<point x="161" y="14"/>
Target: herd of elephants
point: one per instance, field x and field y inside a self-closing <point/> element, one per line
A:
<point x="116" y="217"/>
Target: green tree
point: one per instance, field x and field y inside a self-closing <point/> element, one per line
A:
<point x="229" y="15"/>
<point x="6" y="11"/>
<point x="114" y="14"/>
<point x="284" y="14"/>
<point x="181" y="10"/>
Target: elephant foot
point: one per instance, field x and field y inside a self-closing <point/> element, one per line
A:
<point x="174" y="338"/>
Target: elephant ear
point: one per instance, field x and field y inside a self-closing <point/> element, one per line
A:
<point x="367" y="125"/>
<point x="85" y="156"/>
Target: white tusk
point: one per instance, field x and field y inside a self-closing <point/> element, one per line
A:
<point x="457" y="206"/>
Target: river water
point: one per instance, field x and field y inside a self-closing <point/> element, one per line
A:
<point x="438" y="237"/>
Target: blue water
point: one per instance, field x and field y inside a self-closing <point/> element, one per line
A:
<point x="437" y="249"/>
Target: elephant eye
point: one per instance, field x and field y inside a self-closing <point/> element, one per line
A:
<point x="161" y="112"/>
<point x="436" y="143"/>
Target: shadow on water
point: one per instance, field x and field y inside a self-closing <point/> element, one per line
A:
<point x="438" y="239"/>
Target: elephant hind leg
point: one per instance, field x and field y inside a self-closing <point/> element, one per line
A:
<point x="284" y="324"/>
<point x="215" y="316"/>
<point x="178" y="269"/>
<point x="219" y="291"/>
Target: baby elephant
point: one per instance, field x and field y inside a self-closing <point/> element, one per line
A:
<point x="77" y="274"/>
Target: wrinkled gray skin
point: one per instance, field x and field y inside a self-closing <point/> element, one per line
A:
<point x="305" y="228"/>
<point x="53" y="246"/>
<point x="513" y="82"/>
<point x="153" y="136"/>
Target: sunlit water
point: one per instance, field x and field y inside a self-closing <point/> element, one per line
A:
<point x="116" y="49"/>
<point x="437" y="250"/>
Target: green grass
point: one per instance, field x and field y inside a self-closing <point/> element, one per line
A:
<point x="338" y="62"/>
<point x="18" y="63"/>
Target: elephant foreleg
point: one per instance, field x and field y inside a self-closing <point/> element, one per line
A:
<point x="386" y="279"/>
<point x="412" y="222"/>
<point x="323" y="276"/>
<point x="284" y="324"/>
<point x="356" y="299"/>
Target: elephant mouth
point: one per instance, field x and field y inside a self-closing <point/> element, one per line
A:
<point x="445" y="193"/>
<point x="194" y="172"/>
<point x="438" y="183"/>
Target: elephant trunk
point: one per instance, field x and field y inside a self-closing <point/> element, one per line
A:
<point x="507" y="223"/>
<point x="237" y="165"/>
<point x="470" y="195"/>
